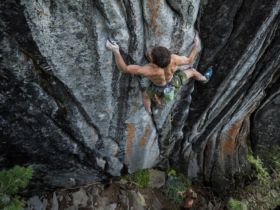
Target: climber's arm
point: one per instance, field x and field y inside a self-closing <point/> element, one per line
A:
<point x="181" y="192"/>
<point x="194" y="49"/>
<point x="183" y="60"/>
<point x="131" y="69"/>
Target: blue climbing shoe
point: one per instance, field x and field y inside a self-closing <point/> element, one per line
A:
<point x="208" y="74"/>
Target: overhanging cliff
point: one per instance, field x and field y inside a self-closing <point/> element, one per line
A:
<point x="67" y="110"/>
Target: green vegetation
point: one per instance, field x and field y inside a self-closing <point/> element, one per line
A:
<point x="266" y="191"/>
<point x="127" y="177"/>
<point x="172" y="191"/>
<point x="258" y="170"/>
<point x="10" y="182"/>
<point x="141" y="178"/>
<point x="172" y="172"/>
<point x="236" y="205"/>
<point x="272" y="156"/>
<point x="179" y="183"/>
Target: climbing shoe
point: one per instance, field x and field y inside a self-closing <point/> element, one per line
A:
<point x="208" y="74"/>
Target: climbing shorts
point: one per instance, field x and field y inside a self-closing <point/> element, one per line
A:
<point x="179" y="79"/>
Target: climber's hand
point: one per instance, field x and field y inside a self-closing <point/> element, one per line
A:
<point x="113" y="47"/>
<point x="196" y="39"/>
<point x="180" y="192"/>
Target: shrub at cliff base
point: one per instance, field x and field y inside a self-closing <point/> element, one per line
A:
<point x="10" y="182"/>
<point x="266" y="190"/>
<point x="175" y="184"/>
<point x="141" y="178"/>
<point x="236" y="205"/>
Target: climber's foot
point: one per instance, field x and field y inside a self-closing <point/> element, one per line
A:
<point x="208" y="74"/>
<point x="149" y="112"/>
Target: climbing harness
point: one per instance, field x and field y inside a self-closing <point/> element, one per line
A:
<point x="167" y="91"/>
<point x="189" y="18"/>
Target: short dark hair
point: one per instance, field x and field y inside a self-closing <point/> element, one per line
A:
<point x="161" y="56"/>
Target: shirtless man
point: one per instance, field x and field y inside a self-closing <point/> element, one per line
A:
<point x="161" y="70"/>
<point x="188" y="200"/>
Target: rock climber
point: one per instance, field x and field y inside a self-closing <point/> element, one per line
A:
<point x="162" y="70"/>
<point x="188" y="200"/>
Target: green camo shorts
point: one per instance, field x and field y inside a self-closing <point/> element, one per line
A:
<point x="179" y="79"/>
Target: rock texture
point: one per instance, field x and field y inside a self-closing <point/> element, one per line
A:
<point x="99" y="197"/>
<point x="266" y="120"/>
<point x="66" y="109"/>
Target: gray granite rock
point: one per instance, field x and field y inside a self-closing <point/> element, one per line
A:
<point x="123" y="182"/>
<point x="60" y="197"/>
<point x="134" y="201"/>
<point x="68" y="198"/>
<point x="222" y="111"/>
<point x="157" y="178"/>
<point x="35" y="203"/>
<point x="71" y="208"/>
<point x="93" y="190"/>
<point x="100" y="202"/>
<point x="80" y="198"/>
<point x="45" y="204"/>
<point x="67" y="110"/>
<point x="124" y="200"/>
<point x="210" y="206"/>
<point x="55" y="204"/>
<point x="141" y="199"/>
<point x="157" y="205"/>
<point x="123" y="192"/>
<point x="265" y="129"/>
<point x="111" y="206"/>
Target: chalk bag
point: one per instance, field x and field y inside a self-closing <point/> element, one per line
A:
<point x="169" y="93"/>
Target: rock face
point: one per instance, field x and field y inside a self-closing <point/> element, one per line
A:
<point x="67" y="110"/>
<point x="265" y="123"/>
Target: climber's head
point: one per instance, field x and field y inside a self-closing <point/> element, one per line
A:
<point x="160" y="56"/>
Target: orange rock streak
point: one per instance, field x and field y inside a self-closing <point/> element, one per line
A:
<point x="130" y="134"/>
<point x="144" y="138"/>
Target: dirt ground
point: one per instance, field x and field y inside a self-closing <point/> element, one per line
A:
<point x="204" y="197"/>
<point x="150" y="194"/>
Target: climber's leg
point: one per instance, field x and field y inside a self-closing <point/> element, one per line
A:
<point x="146" y="101"/>
<point x="192" y="73"/>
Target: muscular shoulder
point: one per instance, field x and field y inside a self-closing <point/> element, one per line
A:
<point x="147" y="70"/>
<point x="174" y="60"/>
<point x="180" y="60"/>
